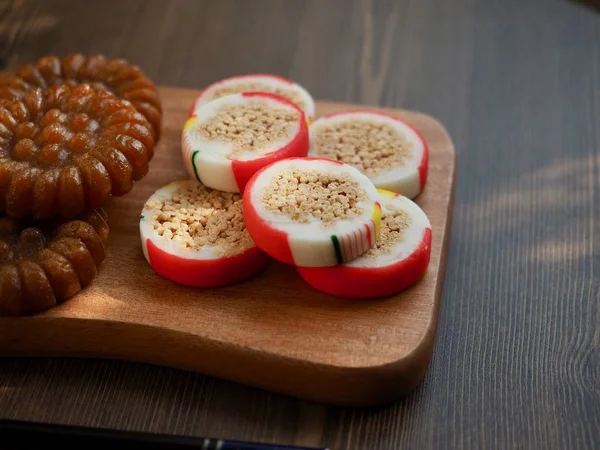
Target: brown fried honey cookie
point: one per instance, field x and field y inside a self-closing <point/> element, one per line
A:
<point x="68" y="149"/>
<point x="43" y="264"/>
<point x="117" y="75"/>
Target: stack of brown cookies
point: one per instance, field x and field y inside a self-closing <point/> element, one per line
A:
<point x="73" y="133"/>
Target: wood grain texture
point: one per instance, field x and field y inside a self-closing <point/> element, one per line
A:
<point x="273" y="331"/>
<point x="516" y="362"/>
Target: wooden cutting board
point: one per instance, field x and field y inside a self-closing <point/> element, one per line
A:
<point x="274" y="331"/>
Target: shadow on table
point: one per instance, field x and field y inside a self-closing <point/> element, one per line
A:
<point x="141" y="397"/>
<point x="593" y="4"/>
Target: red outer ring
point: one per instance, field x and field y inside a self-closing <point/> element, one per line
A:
<point x="367" y="282"/>
<point x="236" y="77"/>
<point x="267" y="238"/>
<point x="423" y="165"/>
<point x="297" y="147"/>
<point x="270" y="240"/>
<point x="193" y="107"/>
<point x="206" y="273"/>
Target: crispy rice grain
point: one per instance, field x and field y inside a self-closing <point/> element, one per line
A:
<point x="304" y="194"/>
<point x="393" y="226"/>
<point x="253" y="126"/>
<point x="237" y="88"/>
<point x="370" y="147"/>
<point x="195" y="216"/>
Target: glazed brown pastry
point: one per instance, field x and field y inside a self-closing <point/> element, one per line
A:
<point x="117" y="75"/>
<point x="68" y="149"/>
<point x="42" y="265"/>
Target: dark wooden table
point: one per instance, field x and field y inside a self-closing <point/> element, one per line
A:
<point x="517" y="83"/>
